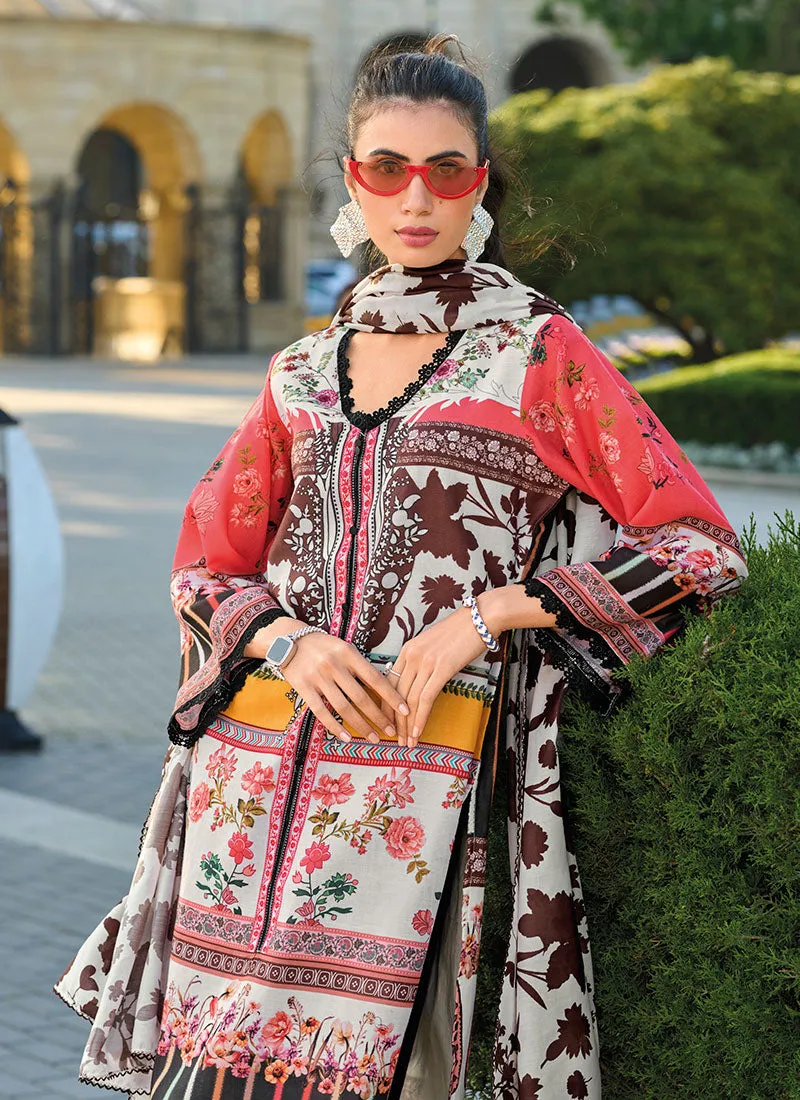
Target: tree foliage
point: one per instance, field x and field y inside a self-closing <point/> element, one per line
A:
<point x="760" y="34"/>
<point x="683" y="191"/>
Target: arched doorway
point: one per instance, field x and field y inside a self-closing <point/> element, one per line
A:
<point x="128" y="241"/>
<point x="560" y="62"/>
<point x="15" y="243"/>
<point x="269" y="222"/>
<point x="265" y="171"/>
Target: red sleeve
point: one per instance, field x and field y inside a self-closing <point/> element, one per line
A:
<point x="674" y="545"/>
<point x="218" y="588"/>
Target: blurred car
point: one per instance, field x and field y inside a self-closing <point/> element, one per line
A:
<point x="325" y="281"/>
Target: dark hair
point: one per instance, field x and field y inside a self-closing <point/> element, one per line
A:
<point x="431" y="76"/>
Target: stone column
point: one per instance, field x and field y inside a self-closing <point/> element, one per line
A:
<point x="214" y="252"/>
<point x="41" y="271"/>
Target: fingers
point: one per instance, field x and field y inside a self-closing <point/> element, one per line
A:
<point x="321" y="712"/>
<point x="344" y="703"/>
<point x="385" y="686"/>
<point x="421" y="707"/>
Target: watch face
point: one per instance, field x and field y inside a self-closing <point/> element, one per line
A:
<point x="279" y="650"/>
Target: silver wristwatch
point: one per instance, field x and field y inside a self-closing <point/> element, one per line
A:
<point x="282" y="648"/>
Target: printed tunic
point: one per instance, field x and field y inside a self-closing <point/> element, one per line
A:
<point x="321" y="902"/>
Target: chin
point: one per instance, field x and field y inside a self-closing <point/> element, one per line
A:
<point x="421" y="257"/>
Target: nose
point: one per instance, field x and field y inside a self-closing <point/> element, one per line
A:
<point x="416" y="199"/>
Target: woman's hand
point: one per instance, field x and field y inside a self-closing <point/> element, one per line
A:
<point x="434" y="656"/>
<point x="426" y="663"/>
<point x="329" y="674"/>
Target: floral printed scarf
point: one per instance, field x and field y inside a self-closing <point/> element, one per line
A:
<point x="453" y="295"/>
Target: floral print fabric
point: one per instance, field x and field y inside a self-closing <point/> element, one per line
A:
<point x="525" y="458"/>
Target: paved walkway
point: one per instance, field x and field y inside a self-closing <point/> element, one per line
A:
<point x="122" y="447"/>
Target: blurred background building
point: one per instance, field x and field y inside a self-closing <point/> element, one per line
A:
<point x="168" y="167"/>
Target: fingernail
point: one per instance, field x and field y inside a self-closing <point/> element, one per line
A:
<point x="373" y="737"/>
<point x="403" y="709"/>
<point x="390" y="730"/>
<point x="345" y="736"/>
<point x="414" y="734"/>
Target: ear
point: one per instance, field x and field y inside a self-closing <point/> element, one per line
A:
<point x="350" y="185"/>
<point x="484" y="187"/>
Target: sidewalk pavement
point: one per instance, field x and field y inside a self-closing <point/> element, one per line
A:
<point x="122" y="447"/>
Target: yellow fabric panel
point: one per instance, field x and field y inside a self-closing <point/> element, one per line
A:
<point x="455" y="722"/>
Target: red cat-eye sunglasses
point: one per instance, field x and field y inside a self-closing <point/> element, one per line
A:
<point x="387" y="176"/>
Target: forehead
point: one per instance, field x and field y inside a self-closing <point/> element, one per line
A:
<point x="417" y="130"/>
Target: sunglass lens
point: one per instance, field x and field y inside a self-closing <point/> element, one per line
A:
<point x="452" y="180"/>
<point x="384" y="175"/>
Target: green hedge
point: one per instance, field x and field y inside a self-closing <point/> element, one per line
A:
<point x="685" y="814"/>
<point x="744" y="399"/>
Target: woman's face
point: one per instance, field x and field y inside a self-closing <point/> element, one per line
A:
<point x="425" y="133"/>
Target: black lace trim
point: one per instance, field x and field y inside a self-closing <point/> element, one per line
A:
<point x="365" y="421"/>
<point x="562" y="655"/>
<point x="233" y="672"/>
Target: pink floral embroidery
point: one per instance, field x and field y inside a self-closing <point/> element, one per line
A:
<point x="242" y="515"/>
<point x="327" y="398"/>
<point x="199" y="801"/>
<point x="221" y="764"/>
<point x="447" y="369"/>
<point x="543" y="416"/>
<point x="422" y="922"/>
<point x="395" y="790"/>
<point x="276" y="1028"/>
<point x="609" y="445"/>
<point x="334" y="790"/>
<point x="587" y="392"/>
<point x="315" y="857"/>
<point x="258" y="780"/>
<point x="240" y="847"/>
<point x="203" y="507"/>
<point x="247" y="482"/>
<point x="405" y="838"/>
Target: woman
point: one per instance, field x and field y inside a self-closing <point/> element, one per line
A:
<point x="440" y="511"/>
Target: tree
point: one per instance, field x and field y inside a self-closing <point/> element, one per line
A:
<point x="759" y="34"/>
<point x="683" y="190"/>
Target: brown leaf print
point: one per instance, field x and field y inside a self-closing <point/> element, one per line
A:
<point x="106" y="949"/>
<point x="87" y="979"/>
<point x="534" y="844"/>
<point x="407" y="327"/>
<point x="374" y="320"/>
<point x="549" y="919"/>
<point x="90" y="1008"/>
<point x="494" y="569"/>
<point x="445" y="535"/>
<point x="577" y="1086"/>
<point x="573" y="1036"/>
<point x="547" y="754"/>
<point x="564" y="963"/>
<point x="529" y="1087"/>
<point x="439" y="593"/>
<point x="552" y="706"/>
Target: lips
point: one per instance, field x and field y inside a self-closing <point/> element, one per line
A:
<point x="416" y="235"/>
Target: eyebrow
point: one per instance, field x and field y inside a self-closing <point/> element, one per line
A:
<point x="400" y="156"/>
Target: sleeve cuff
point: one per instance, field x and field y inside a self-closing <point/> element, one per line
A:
<point x="214" y="685"/>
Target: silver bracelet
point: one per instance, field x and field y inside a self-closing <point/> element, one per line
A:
<point x="306" y="630"/>
<point x="486" y="635"/>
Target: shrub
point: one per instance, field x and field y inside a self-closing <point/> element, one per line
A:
<point x="684" y="814"/>
<point x="686" y="186"/>
<point x="746" y="399"/>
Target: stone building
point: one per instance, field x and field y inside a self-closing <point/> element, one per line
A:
<point x="150" y="172"/>
<point x="168" y="165"/>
